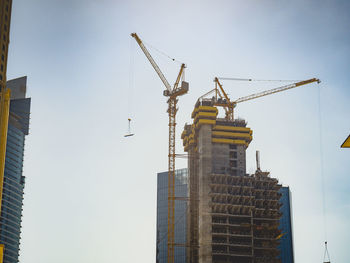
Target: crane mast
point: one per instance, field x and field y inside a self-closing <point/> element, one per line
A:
<point x="172" y="93"/>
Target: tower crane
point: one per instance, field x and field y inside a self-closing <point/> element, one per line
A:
<point x="221" y="98"/>
<point x="172" y="93"/>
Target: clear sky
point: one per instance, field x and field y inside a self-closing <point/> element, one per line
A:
<point x="90" y="194"/>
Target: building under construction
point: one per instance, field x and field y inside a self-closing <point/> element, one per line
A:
<point x="233" y="216"/>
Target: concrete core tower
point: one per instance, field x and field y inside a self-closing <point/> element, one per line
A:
<point x="232" y="217"/>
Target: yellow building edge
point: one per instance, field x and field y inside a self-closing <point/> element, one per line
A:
<point x="232" y="128"/>
<point x="185" y="143"/>
<point x="203" y="108"/>
<point x="2" y="248"/>
<point x="183" y="134"/>
<point x="204" y="121"/>
<point x="229" y="141"/>
<point x="232" y="135"/>
<point x="188" y="140"/>
<point x="204" y="115"/>
<point x="346" y="143"/>
<point x="5" y="96"/>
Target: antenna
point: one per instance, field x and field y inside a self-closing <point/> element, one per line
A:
<point x="258" y="161"/>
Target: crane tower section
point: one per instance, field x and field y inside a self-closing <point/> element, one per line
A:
<point x="172" y="93"/>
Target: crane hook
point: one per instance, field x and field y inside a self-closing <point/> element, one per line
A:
<point x="326" y="254"/>
<point x="129" y="134"/>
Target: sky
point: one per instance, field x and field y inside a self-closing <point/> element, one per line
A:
<point x="90" y="193"/>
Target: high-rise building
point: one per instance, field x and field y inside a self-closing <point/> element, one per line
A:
<point x="12" y="195"/>
<point x="233" y="217"/>
<point x="286" y="241"/>
<point x="5" y="19"/>
<point x="180" y="216"/>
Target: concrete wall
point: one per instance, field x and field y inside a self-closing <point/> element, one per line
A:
<point x="241" y="165"/>
<point x="228" y="160"/>
<point x="220" y="160"/>
<point x="204" y="172"/>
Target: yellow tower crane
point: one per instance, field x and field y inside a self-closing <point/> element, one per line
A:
<point x="221" y="98"/>
<point x="172" y="93"/>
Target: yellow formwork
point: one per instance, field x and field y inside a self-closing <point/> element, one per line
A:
<point x="232" y="128"/>
<point x="229" y="141"/>
<point x="232" y="135"/>
<point x="204" y="121"/>
<point x="205" y="116"/>
<point x="203" y="108"/>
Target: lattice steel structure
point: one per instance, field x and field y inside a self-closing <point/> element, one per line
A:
<point x="172" y="92"/>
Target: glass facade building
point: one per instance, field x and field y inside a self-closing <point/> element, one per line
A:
<point x="286" y="241"/>
<point x="180" y="216"/>
<point x="12" y="199"/>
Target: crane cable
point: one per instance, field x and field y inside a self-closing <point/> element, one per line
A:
<point x="162" y="53"/>
<point x="131" y="82"/>
<point x="326" y="254"/>
<point x="270" y="80"/>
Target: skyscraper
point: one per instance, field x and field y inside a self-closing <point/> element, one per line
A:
<point x="180" y="216"/>
<point x="5" y="20"/>
<point x="233" y="216"/>
<point x="12" y="196"/>
<point x="286" y="241"/>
